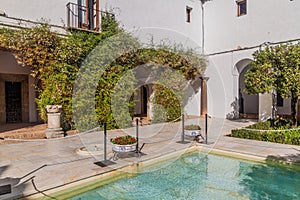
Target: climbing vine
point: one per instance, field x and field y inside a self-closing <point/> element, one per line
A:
<point x="55" y="61"/>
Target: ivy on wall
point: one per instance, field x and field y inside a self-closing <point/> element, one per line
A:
<point x="55" y="61"/>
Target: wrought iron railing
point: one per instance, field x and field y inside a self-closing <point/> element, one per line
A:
<point x="85" y="18"/>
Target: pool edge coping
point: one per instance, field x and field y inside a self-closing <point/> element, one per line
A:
<point x="132" y="169"/>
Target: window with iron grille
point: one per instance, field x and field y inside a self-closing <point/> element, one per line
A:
<point x="84" y="15"/>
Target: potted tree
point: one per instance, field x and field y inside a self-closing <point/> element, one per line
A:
<point x="125" y="143"/>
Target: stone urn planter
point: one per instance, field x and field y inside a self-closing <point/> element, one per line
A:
<point x="53" y="108"/>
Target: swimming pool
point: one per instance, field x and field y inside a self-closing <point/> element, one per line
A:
<point x="200" y="176"/>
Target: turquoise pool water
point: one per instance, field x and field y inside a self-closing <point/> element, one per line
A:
<point x="197" y="176"/>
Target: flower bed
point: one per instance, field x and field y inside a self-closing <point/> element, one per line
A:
<point x="124" y="143"/>
<point x="123" y="140"/>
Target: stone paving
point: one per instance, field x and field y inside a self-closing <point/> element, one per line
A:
<point x="37" y="166"/>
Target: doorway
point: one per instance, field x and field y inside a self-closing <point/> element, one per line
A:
<point x="248" y="104"/>
<point x="144" y="101"/>
<point x="13" y="102"/>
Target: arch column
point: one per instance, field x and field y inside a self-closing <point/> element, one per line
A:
<point x="203" y="104"/>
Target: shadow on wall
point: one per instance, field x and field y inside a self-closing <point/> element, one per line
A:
<point x="196" y="86"/>
<point x="234" y="114"/>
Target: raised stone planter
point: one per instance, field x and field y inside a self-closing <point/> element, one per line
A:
<point x="54" y="129"/>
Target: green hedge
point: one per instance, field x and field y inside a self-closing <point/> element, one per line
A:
<point x="284" y="137"/>
<point x="279" y="124"/>
<point x="291" y="136"/>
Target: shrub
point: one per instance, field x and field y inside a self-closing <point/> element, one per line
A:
<point x="264" y="131"/>
<point x="278" y="124"/>
<point x="192" y="127"/>
<point x="55" y="62"/>
<point x="123" y="140"/>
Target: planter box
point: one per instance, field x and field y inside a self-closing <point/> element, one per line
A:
<point x="124" y="148"/>
<point x="192" y="132"/>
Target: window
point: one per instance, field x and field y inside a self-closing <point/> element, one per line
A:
<point x="188" y="14"/>
<point x="242" y="7"/>
<point x="88" y="14"/>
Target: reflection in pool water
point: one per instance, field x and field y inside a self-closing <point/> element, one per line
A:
<point x="197" y="176"/>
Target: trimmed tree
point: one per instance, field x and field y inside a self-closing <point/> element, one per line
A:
<point x="276" y="68"/>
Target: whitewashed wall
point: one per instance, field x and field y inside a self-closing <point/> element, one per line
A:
<point x="266" y="21"/>
<point x="35" y="10"/>
<point x="165" y="20"/>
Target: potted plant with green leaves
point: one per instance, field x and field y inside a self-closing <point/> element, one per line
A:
<point x="124" y="143"/>
<point x="192" y="130"/>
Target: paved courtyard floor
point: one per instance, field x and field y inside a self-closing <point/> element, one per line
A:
<point x="37" y="166"/>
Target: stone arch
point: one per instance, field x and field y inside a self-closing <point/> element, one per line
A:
<point x="248" y="105"/>
<point x="14" y="90"/>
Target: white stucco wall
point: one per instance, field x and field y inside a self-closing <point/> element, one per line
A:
<point x="265" y="106"/>
<point x="164" y="20"/>
<point x="286" y="108"/>
<point x="194" y="104"/>
<point x="35" y="10"/>
<point x="265" y="21"/>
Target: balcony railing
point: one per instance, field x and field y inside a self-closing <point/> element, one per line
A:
<point x="85" y="18"/>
